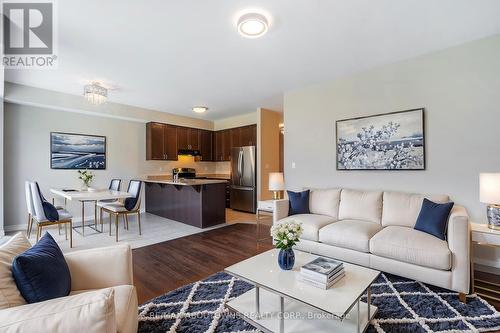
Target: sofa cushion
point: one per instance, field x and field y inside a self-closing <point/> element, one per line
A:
<point x="325" y="202"/>
<point x="9" y="294"/>
<point x="125" y="307"/>
<point x="88" y="312"/>
<point x="433" y="218"/>
<point x="41" y="272"/>
<point x="299" y="202"/>
<point x="311" y="224"/>
<point x="403" y="208"/>
<point x="360" y="205"/>
<point x="411" y="246"/>
<point x="350" y="234"/>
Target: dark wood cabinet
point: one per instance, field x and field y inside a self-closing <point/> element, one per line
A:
<point x="182" y="138"/>
<point x="248" y="135"/>
<point x="161" y="142"/>
<point x="154" y="141"/>
<point x="188" y="138"/>
<point x="218" y="146"/>
<point x="194" y="138"/>
<point x="226" y="145"/>
<point x="170" y="142"/>
<point x="206" y="145"/>
<point x="223" y="145"/>
<point x="235" y="137"/>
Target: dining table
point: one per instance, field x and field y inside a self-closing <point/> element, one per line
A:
<point x="89" y="196"/>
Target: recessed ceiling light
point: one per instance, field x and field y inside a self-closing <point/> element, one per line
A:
<point x="199" y="109"/>
<point x="253" y="25"/>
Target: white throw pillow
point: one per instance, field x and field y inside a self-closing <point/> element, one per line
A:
<point x="325" y="202"/>
<point x="360" y="205"/>
<point x="9" y="294"/>
<point x="402" y="209"/>
<point x="89" y="312"/>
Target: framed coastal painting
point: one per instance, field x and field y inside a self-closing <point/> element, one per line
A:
<point x="77" y="151"/>
<point x="390" y="141"/>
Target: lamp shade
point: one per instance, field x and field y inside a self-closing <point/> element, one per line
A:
<point x="489" y="188"/>
<point x="276" y="182"/>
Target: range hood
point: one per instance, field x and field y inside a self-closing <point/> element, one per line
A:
<point x="188" y="152"/>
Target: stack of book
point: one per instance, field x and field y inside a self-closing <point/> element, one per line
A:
<point x="322" y="272"/>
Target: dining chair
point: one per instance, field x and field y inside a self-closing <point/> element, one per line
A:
<point x="29" y="204"/>
<point x="30" y="208"/>
<point x="38" y="214"/>
<point x="129" y="206"/>
<point x="115" y="184"/>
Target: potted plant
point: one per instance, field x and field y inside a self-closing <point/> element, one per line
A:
<point x="285" y="236"/>
<point x="86" y="177"/>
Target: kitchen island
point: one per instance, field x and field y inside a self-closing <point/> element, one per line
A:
<point x="197" y="202"/>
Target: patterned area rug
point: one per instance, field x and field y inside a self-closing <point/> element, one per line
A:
<point x="403" y="306"/>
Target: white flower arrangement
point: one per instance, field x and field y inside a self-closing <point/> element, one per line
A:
<point x="286" y="234"/>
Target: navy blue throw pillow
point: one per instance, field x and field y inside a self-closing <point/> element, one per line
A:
<point x="50" y="211"/>
<point x="299" y="202"/>
<point x="433" y="218"/>
<point x="41" y="273"/>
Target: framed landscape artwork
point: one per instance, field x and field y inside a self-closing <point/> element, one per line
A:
<point x="77" y="151"/>
<point x="391" y="141"/>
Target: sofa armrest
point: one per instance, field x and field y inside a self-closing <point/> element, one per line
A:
<point x="87" y="312"/>
<point x="280" y="209"/>
<point x="459" y="243"/>
<point x="100" y="268"/>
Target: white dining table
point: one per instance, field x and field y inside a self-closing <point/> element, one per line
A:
<point x="89" y="196"/>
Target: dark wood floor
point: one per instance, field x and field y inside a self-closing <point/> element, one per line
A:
<point x="169" y="265"/>
<point x="166" y="266"/>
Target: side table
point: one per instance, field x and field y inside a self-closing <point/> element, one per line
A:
<point x="267" y="207"/>
<point x="484" y="236"/>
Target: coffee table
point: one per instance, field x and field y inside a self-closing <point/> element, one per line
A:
<point x="281" y="302"/>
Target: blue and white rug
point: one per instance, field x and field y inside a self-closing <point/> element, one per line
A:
<point x="403" y="306"/>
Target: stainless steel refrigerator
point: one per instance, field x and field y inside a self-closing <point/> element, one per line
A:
<point x="243" y="194"/>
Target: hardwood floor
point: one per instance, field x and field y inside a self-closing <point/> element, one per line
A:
<point x="166" y="266"/>
<point x="234" y="216"/>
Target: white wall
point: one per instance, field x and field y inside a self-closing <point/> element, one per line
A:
<point x="236" y="121"/>
<point x="460" y="90"/>
<point x="1" y="148"/>
<point x="27" y="154"/>
<point x="26" y="95"/>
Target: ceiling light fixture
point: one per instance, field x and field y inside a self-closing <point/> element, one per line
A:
<point x="200" y="109"/>
<point x="95" y="93"/>
<point x="253" y="25"/>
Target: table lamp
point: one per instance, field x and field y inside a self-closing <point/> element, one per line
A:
<point x="276" y="184"/>
<point x="489" y="193"/>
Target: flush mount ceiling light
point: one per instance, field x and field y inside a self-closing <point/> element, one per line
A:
<point x="95" y="93"/>
<point x="200" y="109"/>
<point x="253" y="25"/>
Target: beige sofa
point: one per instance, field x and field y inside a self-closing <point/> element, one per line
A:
<point x="375" y="229"/>
<point x="102" y="298"/>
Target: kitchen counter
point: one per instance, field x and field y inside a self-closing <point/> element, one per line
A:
<point x="215" y="175"/>
<point x="186" y="182"/>
<point x="197" y="202"/>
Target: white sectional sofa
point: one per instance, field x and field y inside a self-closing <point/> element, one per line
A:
<point x="375" y="229"/>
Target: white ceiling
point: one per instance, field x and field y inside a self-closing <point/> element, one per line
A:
<point x="169" y="55"/>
